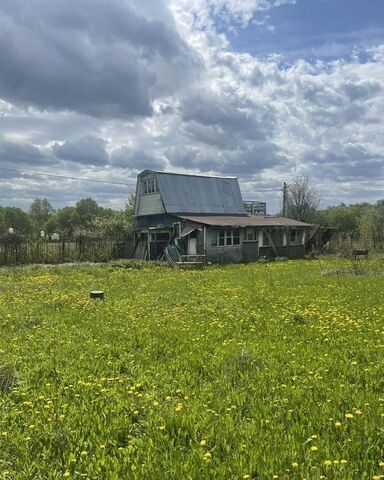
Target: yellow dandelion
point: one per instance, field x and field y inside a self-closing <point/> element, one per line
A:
<point x="314" y="448"/>
<point x="328" y="463"/>
<point x="337" y="424"/>
<point x="203" y="443"/>
<point x="207" y="457"/>
<point x="348" y="415"/>
<point x="295" y="465"/>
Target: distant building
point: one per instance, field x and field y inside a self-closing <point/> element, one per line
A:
<point x="255" y="208"/>
<point x="203" y="215"/>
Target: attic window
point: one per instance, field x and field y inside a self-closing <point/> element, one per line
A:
<point x="149" y="186"/>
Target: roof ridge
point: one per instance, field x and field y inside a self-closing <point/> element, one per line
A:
<point x="189" y="174"/>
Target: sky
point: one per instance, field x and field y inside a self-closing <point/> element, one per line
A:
<point x="264" y="90"/>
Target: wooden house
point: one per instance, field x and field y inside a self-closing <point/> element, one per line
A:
<point x="204" y="215"/>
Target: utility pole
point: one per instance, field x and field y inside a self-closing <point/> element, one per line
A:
<point x="285" y="200"/>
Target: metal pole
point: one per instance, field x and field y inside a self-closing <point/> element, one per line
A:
<point x="284" y="199"/>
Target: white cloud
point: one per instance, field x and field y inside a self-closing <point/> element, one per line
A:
<point x="228" y="113"/>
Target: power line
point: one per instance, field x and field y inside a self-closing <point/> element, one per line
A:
<point x="261" y="189"/>
<point x="24" y="172"/>
<point x="335" y="185"/>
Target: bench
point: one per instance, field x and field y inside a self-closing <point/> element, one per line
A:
<point x="360" y="253"/>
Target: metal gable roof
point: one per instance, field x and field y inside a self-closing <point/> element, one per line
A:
<point x="247" y="221"/>
<point x="193" y="194"/>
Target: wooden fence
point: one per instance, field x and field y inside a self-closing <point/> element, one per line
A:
<point x="20" y="250"/>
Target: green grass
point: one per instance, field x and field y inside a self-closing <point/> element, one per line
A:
<point x="243" y="371"/>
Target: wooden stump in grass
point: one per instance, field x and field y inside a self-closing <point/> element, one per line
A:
<point x="97" y="294"/>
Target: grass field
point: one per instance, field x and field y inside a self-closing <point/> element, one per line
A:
<point x="262" y="371"/>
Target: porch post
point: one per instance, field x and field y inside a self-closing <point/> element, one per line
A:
<point x="260" y="237"/>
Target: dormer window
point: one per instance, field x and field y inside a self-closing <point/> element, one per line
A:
<point x="149" y="186"/>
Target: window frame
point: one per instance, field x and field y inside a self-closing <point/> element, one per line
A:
<point x="298" y="238"/>
<point x="149" y="186"/>
<point x="226" y="237"/>
<point x="275" y="234"/>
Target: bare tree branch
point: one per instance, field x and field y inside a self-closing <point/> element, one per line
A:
<point x="302" y="200"/>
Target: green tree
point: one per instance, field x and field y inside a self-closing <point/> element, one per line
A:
<point x="371" y="228"/>
<point x="343" y="217"/>
<point x="2" y="221"/>
<point x="41" y="211"/>
<point x="17" y="219"/>
<point x="64" y="222"/>
<point x="88" y="211"/>
<point x="119" y="224"/>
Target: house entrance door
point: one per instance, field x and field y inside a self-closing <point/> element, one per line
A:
<point x="192" y="246"/>
<point x="250" y="250"/>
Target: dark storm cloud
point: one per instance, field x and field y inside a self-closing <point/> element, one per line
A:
<point x="335" y="104"/>
<point x="193" y="158"/>
<point x="85" y="150"/>
<point x="346" y="161"/>
<point x="105" y="59"/>
<point x="126" y="157"/>
<point x="230" y="116"/>
<point x="261" y="156"/>
<point x="48" y="127"/>
<point x="246" y="161"/>
<point x="14" y="154"/>
<point x="212" y="135"/>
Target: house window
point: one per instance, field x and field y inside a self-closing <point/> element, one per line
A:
<point x="160" y="237"/>
<point x="223" y="238"/>
<point x="149" y="186"/>
<point x="296" y="237"/>
<point x="274" y="235"/>
<point x="251" y="234"/>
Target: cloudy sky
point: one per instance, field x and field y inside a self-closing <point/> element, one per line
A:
<point x="264" y="90"/>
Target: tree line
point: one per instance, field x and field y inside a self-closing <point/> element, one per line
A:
<point x="359" y="222"/>
<point x="86" y="217"/>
